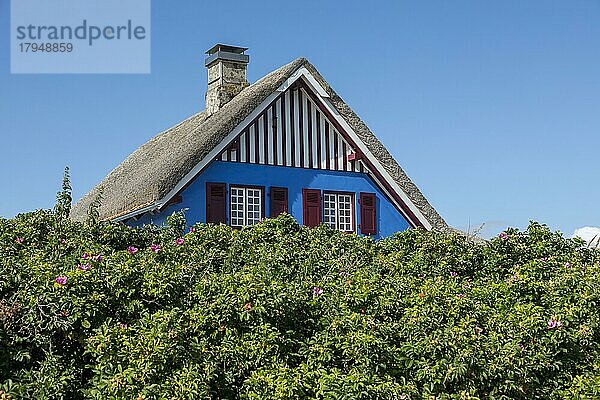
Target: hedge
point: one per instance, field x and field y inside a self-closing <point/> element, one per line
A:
<point x="102" y="311"/>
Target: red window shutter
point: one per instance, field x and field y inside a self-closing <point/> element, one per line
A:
<point x="368" y="213"/>
<point x="311" y="205"/>
<point x="279" y="200"/>
<point x="215" y="203"/>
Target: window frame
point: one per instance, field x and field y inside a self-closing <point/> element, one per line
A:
<point x="336" y="193"/>
<point x="245" y="188"/>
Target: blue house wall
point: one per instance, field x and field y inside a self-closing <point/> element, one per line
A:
<point x="389" y="219"/>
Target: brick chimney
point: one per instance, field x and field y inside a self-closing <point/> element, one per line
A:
<point x="226" y="75"/>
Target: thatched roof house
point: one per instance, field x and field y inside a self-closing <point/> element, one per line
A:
<point x="153" y="176"/>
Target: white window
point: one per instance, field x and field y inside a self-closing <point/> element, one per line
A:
<point x="246" y="206"/>
<point x="338" y="211"/>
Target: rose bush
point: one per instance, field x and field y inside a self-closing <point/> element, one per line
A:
<point x="102" y="311"/>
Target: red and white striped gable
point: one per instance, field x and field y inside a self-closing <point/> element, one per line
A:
<point x="292" y="131"/>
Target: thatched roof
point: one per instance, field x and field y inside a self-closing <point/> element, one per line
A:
<point x="155" y="168"/>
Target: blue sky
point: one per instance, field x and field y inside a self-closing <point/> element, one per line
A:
<point x="492" y="108"/>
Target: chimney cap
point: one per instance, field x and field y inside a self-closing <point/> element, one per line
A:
<point x="225" y="52"/>
<point x="226" y="48"/>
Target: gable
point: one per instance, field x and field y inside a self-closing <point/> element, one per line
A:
<point x="292" y="131"/>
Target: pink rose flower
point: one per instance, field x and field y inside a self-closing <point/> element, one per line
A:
<point x="553" y="323"/>
<point x="179" y="241"/>
<point x="155" y="248"/>
<point x="84" y="267"/>
<point x="132" y="249"/>
<point x="61" y="280"/>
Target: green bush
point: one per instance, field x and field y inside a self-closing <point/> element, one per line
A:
<point x="284" y="312"/>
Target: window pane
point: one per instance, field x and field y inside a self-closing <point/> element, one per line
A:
<point x="254" y="206"/>
<point x="237" y="207"/>
<point x="344" y="212"/>
<point x="329" y="210"/>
